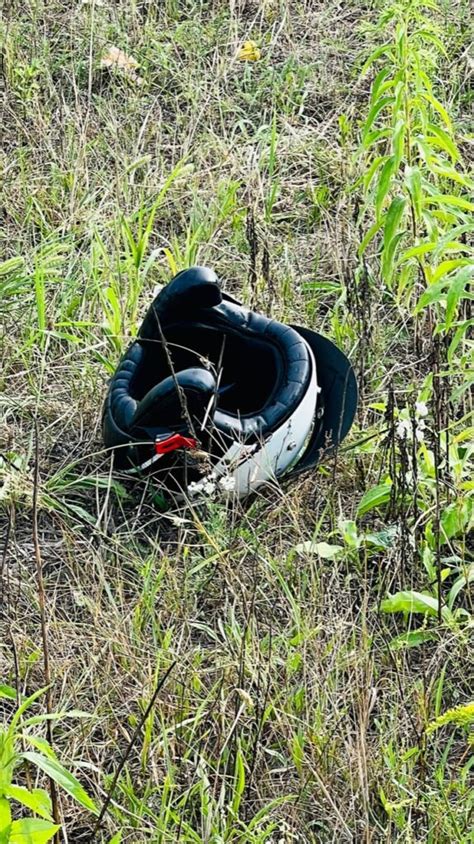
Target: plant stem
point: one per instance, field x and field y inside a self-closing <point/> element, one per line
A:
<point x="44" y="629"/>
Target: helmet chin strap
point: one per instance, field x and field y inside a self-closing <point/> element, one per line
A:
<point x="166" y="444"/>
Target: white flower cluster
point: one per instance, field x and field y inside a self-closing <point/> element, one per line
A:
<point x="210" y="485"/>
<point x="405" y="425"/>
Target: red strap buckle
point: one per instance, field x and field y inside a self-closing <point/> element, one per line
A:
<point x="173" y="442"/>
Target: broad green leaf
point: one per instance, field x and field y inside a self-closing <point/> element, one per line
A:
<point x="117" y="838"/>
<point x="413" y="602"/>
<point x="321" y="549"/>
<point x="411" y="639"/>
<point x="374" y="497"/>
<point x="38" y="800"/>
<point x="8" y="691"/>
<point x="62" y="777"/>
<point x="32" y="831"/>
<point x="383" y="186"/>
<point x="349" y="533"/>
<point x="5" y="821"/>
<point x="455" y="293"/>
<point x="383" y="539"/>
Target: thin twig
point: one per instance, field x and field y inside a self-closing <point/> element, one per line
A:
<point x="128" y="749"/>
<point x="44" y="629"/>
<point x="181" y="394"/>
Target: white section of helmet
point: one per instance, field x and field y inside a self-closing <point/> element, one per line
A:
<point x="244" y="468"/>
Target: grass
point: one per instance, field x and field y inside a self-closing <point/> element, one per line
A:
<point x="319" y="637"/>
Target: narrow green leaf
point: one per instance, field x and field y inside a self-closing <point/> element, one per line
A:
<point x="380" y="51"/>
<point x="378" y="81"/>
<point x="450" y="201"/>
<point x="459" y="334"/>
<point x="460" y="583"/>
<point x="25" y="705"/>
<point x="455" y="293"/>
<point x="392" y="220"/>
<point x="429" y="97"/>
<point x="373" y="169"/>
<point x="62" y="777"/>
<point x="416" y="251"/>
<point x="383" y="186"/>
<point x="452" y="175"/>
<point x="11" y="266"/>
<point x="374" y="112"/>
<point x="370" y="236"/>
<point x="388" y="261"/>
<point x="373" y="137"/>
<point x="440" y="138"/>
<point x="448" y="266"/>
<point x="413" y="181"/>
<point x="398" y="141"/>
<point x="430" y="36"/>
<point x="434" y="293"/>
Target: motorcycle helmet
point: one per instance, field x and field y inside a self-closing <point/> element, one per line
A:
<point x="212" y="395"/>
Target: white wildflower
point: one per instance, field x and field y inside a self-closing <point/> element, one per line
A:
<point x="227" y="482"/>
<point x="421" y="409"/>
<point x="419" y="435"/>
<point x="195" y="487"/>
<point x="209" y="487"/>
<point x="206" y="486"/>
<point x="403" y="429"/>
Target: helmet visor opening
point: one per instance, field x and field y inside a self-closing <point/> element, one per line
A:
<point x="247" y="369"/>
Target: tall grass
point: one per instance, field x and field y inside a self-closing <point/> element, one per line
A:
<point x="320" y="636"/>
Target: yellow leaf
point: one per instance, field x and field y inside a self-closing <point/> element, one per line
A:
<point x="249" y="52"/>
<point x="115" y="58"/>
